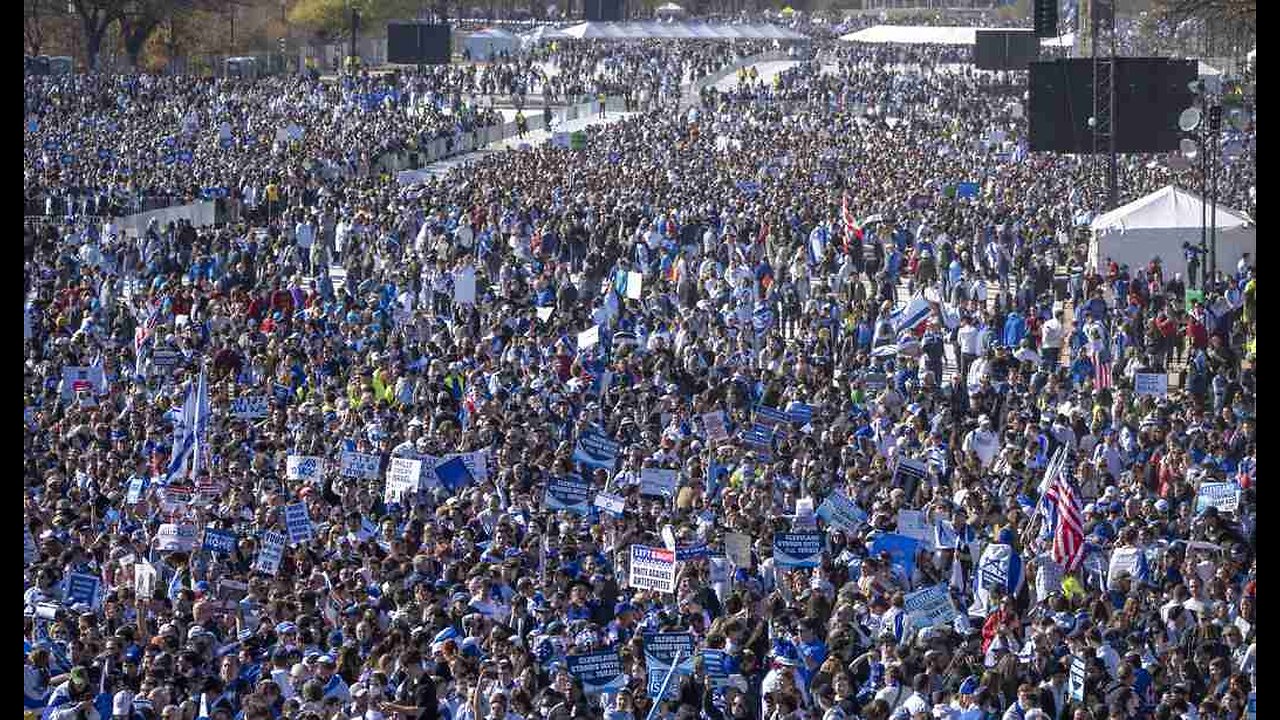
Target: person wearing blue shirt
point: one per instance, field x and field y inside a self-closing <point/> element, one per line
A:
<point x="813" y="651"/>
<point x="1015" y="328"/>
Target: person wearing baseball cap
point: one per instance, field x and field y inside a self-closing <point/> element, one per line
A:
<point x="331" y="682"/>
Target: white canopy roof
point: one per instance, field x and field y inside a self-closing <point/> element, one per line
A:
<point x="1169" y="207"/>
<point x="678" y="30"/>
<point x="930" y="35"/>
<point x="493" y="33"/>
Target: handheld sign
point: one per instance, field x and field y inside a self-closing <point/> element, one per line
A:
<point x="659" y="482"/>
<point x="901" y="549"/>
<point x="360" y="465"/>
<point x="667" y="653"/>
<point x="1077" y="678"/>
<point x="1223" y="496"/>
<point x="1156" y="384"/>
<point x="738" y="547"/>
<point x="714" y="425"/>
<point x="176" y="538"/>
<point x="271" y="553"/>
<point x="613" y="504"/>
<point x="839" y="511"/>
<point x="453" y="474"/>
<point x="298" y="522"/>
<point x="571" y="494"/>
<point x="653" y="569"/>
<point x="912" y="523"/>
<point x="594" y="448"/>
<point x="798" y="549"/>
<point x="599" y="671"/>
<point x="304" y="467"/>
<point x="930" y="606"/>
<point x="83" y="588"/>
<point x="403" y="478"/>
<point x="219" y="541"/>
<point x="251" y="407"/>
<point x="144" y="580"/>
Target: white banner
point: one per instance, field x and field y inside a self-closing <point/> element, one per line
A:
<point x="738" y="547"/>
<point x="1151" y="384"/>
<point x="176" y="538"/>
<point x="913" y="524"/>
<point x="298" y="521"/>
<point x="653" y="569"/>
<point x="144" y="580"/>
<point x="615" y="504"/>
<point x="308" y="468"/>
<point x="713" y="423"/>
<point x="658" y="482"/>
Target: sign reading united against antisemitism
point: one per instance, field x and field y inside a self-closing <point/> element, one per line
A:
<point x="599" y="671"/>
<point x="653" y="569"/>
<point x="594" y="448"/>
<point x="798" y="549"/>
<point x="568" y="493"/>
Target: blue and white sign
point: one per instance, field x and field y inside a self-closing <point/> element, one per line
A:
<point x="361" y="465"/>
<point x="798" y="549"/>
<point x="271" y="553"/>
<point x="930" y="606"/>
<point x="298" y="522"/>
<point x="772" y="418"/>
<point x="901" y="549"/>
<point x="83" y="588"/>
<point x="594" y="448"/>
<point x="839" y="511"/>
<point x="568" y="493"/>
<point x="599" y="671"/>
<point x="251" y="407"/>
<point x="307" y="468"/>
<point x="660" y="653"/>
<point x="219" y="541"/>
<point x="615" y="505"/>
<point x="454" y="474"/>
<point x="693" y="551"/>
<point x="1223" y="496"/>
<point x="1156" y="384"/>
<point x="658" y="482"/>
<point x="717" y="665"/>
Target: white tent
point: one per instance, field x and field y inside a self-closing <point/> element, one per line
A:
<point x="1158" y="225"/>
<point x="488" y="43"/>
<point x="670" y="10"/>
<point x="678" y="30"/>
<point x="930" y="35"/>
<point x="541" y="34"/>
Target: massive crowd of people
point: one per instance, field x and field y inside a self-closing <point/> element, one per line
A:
<point x="798" y="403"/>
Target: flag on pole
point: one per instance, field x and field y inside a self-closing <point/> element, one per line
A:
<point x="852" y="228"/>
<point x="1068" y="531"/>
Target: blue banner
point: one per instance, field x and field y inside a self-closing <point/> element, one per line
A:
<point x="798" y="549"/>
<point x="599" y="671"/>
<point x="219" y="541"/>
<point x="660" y="650"/>
<point x="594" y="448"/>
<point x="901" y="549"/>
<point x="82" y="588"/>
<point x="454" y="474"/>
<point x="568" y="493"/>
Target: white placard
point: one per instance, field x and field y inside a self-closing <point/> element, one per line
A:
<point x="738" y="547"/>
<point x="144" y="580"/>
<point x="172" y="537"/>
<point x="653" y="569"/>
<point x="913" y="524"/>
<point x="1223" y="496"/>
<point x="304" y="467"/>
<point x="1124" y="559"/>
<point x="930" y="606"/>
<point x="589" y="337"/>
<point x="635" y="285"/>
<point x="403" y="477"/>
<point x="805" y="518"/>
<point x="360" y="465"/>
<point x="544" y="313"/>
<point x="271" y="553"/>
<point x="1151" y="384"/>
<point x="464" y="285"/>
<point x="659" y="482"/>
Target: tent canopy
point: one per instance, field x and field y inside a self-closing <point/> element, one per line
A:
<point x="1159" y="224"/>
<point x="670" y="9"/>
<point x="929" y="35"/>
<point x="678" y="30"/>
<point x="487" y="43"/>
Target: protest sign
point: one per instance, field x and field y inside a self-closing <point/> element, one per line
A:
<point x="464" y="286"/>
<point x="588" y="338"/>
<point x="298" y="521"/>
<point x="945" y="536"/>
<point x="1156" y="384"/>
<point x="913" y="524"/>
<point x="133" y="495"/>
<point x="249" y="407"/>
<point x="658" y="482"/>
<point x="798" y="549"/>
<point x="307" y="468"/>
<point x="83" y="588"/>
<point x="635" y="285"/>
<point x="653" y="569"/>
<point x="599" y="671"/>
<point x="773" y="418"/>
<point x="738" y="547"/>
<point x="841" y="512"/>
<point x="930" y="606"/>
<point x="594" y="448"/>
<point x="454" y="474"/>
<point x="805" y="519"/>
<point x="1223" y="496"/>
<point x="713" y="424"/>
<point x="144" y="580"/>
<point x="1128" y="560"/>
<point x="219" y="541"/>
<point x="692" y="551"/>
<point x="910" y="473"/>
<point x="271" y="553"/>
<point x="403" y="478"/>
<point x="360" y="465"/>
<point x="176" y="538"/>
<point x="660" y="653"/>
<point x="568" y="493"/>
<point x="717" y="666"/>
<point x="1076" y="681"/>
<point x="901" y="549"/>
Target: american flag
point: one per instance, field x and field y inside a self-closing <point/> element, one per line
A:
<point x="1068" y="535"/>
<point x="1101" y="371"/>
<point x="851" y="227"/>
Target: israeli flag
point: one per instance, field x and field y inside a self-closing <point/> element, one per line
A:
<point x="914" y="313"/>
<point x="188" y="436"/>
<point x="818" y="244"/>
